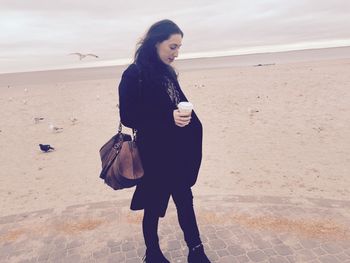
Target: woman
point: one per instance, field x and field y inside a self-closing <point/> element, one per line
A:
<point x="169" y="142"/>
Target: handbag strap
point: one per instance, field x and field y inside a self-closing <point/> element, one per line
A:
<point x="134" y="131"/>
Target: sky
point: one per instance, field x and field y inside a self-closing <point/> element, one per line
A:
<point x="40" y="34"/>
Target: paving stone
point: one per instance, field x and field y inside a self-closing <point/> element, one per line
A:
<point x="305" y="255"/>
<point x="296" y="246"/>
<point x="204" y="239"/>
<point x="208" y="229"/>
<point x="19" y="245"/>
<point x="72" y="259"/>
<point x="278" y="259"/>
<point x="319" y="251"/>
<point x="262" y="244"/>
<point x="224" y="234"/>
<point x="6" y="249"/>
<point x="345" y="244"/>
<point x="87" y="260"/>
<point x="292" y="258"/>
<point x="128" y="246"/>
<point x="43" y="257"/>
<point x="58" y="255"/>
<point x="73" y="251"/>
<point x="116" y="257"/>
<point x="31" y="260"/>
<point x="132" y="260"/>
<point x="309" y="244"/>
<point x="101" y="253"/>
<point x="269" y="252"/>
<point x="19" y="253"/>
<point x="227" y="259"/>
<point x="61" y="246"/>
<point x="174" y="245"/>
<point x="242" y="259"/>
<point x="131" y="254"/>
<point x="230" y="241"/>
<point x="116" y="249"/>
<point x="236" y="250"/>
<point x="141" y="251"/>
<point x="332" y="248"/>
<point x="180" y="260"/>
<point x="176" y="253"/>
<point x="211" y="254"/>
<point x="212" y="236"/>
<point x="74" y="244"/>
<point x="59" y="240"/>
<point x="283" y="250"/>
<point x="217" y="244"/>
<point x="342" y="257"/>
<point x="167" y="254"/>
<point x="329" y="259"/>
<point x="256" y="256"/>
<point x="276" y="241"/>
<point x="222" y="252"/>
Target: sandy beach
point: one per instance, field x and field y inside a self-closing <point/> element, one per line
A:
<point x="281" y="129"/>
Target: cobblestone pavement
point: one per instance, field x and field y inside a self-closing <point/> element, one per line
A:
<point x="234" y="229"/>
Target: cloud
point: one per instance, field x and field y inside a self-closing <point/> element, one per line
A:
<point x="49" y="30"/>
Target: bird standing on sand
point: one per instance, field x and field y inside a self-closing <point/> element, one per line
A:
<point x="81" y="56"/>
<point x="252" y="111"/>
<point x="53" y="128"/>
<point x="73" y="120"/>
<point x="46" y="147"/>
<point x="38" y="119"/>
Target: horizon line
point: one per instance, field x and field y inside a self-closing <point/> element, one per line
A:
<point x="185" y="56"/>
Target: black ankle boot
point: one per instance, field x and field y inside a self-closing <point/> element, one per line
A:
<point x="197" y="255"/>
<point x="154" y="256"/>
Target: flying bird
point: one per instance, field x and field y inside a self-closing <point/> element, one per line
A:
<point x="81" y="56"/>
<point x="46" y="147"/>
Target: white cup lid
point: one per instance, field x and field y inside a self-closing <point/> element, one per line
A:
<point x="185" y="105"/>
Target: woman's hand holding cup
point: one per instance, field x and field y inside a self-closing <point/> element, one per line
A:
<point x="182" y="116"/>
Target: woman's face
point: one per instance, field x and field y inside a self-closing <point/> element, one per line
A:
<point x="168" y="50"/>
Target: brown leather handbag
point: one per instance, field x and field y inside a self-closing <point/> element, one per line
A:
<point x="121" y="163"/>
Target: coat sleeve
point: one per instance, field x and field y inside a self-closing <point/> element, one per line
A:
<point x="132" y="114"/>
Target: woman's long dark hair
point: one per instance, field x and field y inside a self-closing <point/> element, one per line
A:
<point x="146" y="55"/>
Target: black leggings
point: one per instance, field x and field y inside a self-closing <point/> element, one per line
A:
<point x="183" y="200"/>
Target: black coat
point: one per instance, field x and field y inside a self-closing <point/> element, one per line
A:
<point x="171" y="155"/>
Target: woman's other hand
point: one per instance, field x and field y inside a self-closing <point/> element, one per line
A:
<point x="181" y="119"/>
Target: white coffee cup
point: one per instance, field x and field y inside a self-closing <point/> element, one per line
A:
<point x="185" y="107"/>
